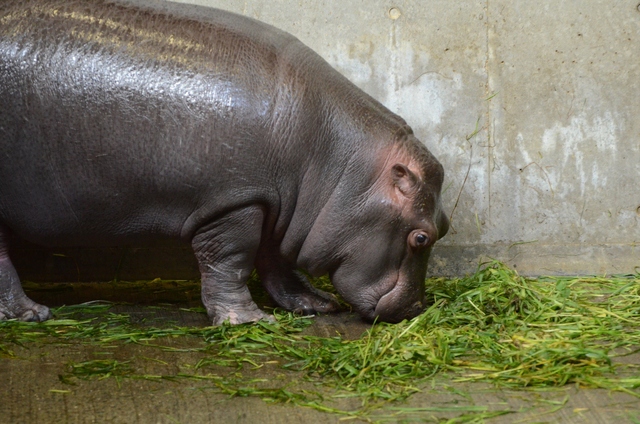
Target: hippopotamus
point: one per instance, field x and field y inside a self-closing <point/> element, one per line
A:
<point x="122" y="122"/>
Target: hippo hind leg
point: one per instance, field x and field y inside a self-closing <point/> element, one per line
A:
<point x="290" y="289"/>
<point x="14" y="303"/>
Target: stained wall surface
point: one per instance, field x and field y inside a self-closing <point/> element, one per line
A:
<point x="532" y="107"/>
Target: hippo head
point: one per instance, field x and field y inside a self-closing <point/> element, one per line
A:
<point x="375" y="235"/>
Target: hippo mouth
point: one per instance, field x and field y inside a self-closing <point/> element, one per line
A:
<point x="392" y="299"/>
<point x="396" y="305"/>
<point x="371" y="302"/>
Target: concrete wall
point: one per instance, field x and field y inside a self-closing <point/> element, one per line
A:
<point x="532" y="107"/>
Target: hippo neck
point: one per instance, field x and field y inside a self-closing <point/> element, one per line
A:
<point x="349" y="127"/>
<point x="357" y="166"/>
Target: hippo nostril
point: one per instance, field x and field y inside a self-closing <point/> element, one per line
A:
<point x="415" y="309"/>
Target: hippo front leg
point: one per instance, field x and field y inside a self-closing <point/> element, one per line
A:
<point x="14" y="303"/>
<point x="289" y="288"/>
<point x="226" y="252"/>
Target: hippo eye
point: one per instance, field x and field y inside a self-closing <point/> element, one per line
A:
<point x="419" y="239"/>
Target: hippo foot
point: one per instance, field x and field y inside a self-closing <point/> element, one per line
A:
<point x="308" y="302"/>
<point x="235" y="317"/>
<point x="29" y="311"/>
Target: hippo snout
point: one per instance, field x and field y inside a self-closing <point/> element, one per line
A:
<point x="395" y="306"/>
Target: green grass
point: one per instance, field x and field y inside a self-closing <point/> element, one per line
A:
<point x="493" y="326"/>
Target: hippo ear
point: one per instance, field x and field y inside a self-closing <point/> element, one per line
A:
<point x="404" y="180"/>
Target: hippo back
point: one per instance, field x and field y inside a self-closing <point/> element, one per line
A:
<point x="131" y="121"/>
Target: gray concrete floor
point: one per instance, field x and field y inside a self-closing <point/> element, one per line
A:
<point x="31" y="389"/>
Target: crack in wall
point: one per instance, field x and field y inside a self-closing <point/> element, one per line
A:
<point x="488" y="117"/>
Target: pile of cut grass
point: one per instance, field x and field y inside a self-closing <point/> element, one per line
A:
<point x="493" y="326"/>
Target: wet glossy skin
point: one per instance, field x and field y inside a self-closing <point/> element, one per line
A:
<point x="121" y="123"/>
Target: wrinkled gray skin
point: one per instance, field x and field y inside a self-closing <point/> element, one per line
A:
<point x="122" y="124"/>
